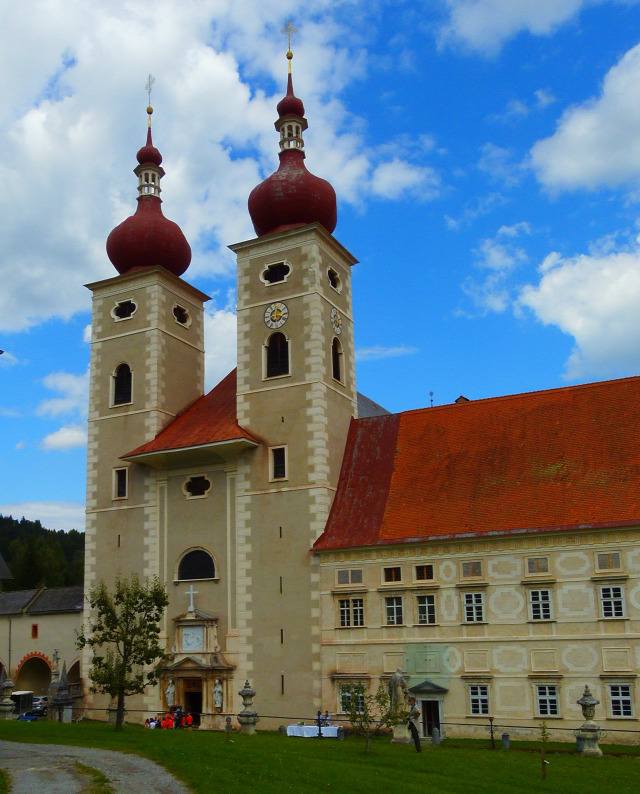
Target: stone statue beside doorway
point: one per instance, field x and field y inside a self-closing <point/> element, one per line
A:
<point x="218" y="695"/>
<point x="397" y="689"/>
<point x="170" y="693"/>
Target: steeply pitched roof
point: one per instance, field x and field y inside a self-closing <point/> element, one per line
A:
<point x="539" y="461"/>
<point x="59" y="599"/>
<point x="209" y="420"/>
<point x="14" y="603"/>
<point x="5" y="573"/>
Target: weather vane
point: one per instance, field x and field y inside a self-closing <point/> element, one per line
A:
<point x="150" y="81"/>
<point x="288" y="31"/>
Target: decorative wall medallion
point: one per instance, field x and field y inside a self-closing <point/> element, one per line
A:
<point x="276" y="315"/>
<point x="336" y="320"/>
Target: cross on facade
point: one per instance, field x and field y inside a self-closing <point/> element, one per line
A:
<point x="191" y="592"/>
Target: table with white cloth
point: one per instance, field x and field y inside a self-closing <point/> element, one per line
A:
<point x="311" y="731"/>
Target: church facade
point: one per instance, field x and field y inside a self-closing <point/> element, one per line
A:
<point x="307" y="537"/>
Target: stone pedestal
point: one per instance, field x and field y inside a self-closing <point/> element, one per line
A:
<point x="589" y="733"/>
<point x="401" y="734"/>
<point x="248" y="717"/>
<point x="7" y="706"/>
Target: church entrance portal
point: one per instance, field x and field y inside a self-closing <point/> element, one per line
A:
<point x="193" y="698"/>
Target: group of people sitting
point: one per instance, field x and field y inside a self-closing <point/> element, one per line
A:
<point x="323" y="719"/>
<point x="176" y="718"/>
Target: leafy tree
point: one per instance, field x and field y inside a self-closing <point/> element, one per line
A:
<point x="123" y="633"/>
<point x="370" y="713"/>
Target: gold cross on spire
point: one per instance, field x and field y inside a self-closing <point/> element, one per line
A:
<point x="288" y="31"/>
<point x="149" y="85"/>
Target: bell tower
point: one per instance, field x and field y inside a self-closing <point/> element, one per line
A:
<point x="296" y="391"/>
<point x="147" y="365"/>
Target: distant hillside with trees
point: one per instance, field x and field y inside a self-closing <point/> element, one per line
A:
<point x="36" y="555"/>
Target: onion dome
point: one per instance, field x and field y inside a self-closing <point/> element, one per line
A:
<point x="147" y="238"/>
<point x="292" y="196"/>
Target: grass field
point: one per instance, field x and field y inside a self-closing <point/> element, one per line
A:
<point x="269" y="762"/>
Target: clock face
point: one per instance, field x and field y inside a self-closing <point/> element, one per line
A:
<point x="336" y="321"/>
<point x="276" y="315"/>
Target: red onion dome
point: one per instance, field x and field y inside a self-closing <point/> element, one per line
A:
<point x="290" y="105"/>
<point x="147" y="239"/>
<point x="149" y="153"/>
<point x="292" y="197"/>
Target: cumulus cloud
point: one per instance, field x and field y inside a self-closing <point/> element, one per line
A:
<point x="219" y="343"/>
<point x="597" y="143"/>
<point x="485" y="25"/>
<point x="378" y="352"/>
<point x="498" y="257"/>
<point x="594" y="299"/>
<point x="73" y="116"/>
<point x="52" y="515"/>
<point x="500" y="164"/>
<point x="518" y="109"/>
<point x="74" y="391"/>
<point x="65" y="438"/>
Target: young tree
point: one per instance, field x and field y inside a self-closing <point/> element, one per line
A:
<point x="123" y="632"/>
<point x="370" y="713"/>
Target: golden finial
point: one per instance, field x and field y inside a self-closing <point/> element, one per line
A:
<point x="150" y="81"/>
<point x="288" y="31"/>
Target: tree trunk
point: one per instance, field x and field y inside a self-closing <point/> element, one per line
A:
<point x="120" y="712"/>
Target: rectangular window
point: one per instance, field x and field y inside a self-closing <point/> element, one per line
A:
<point x="470" y="569"/>
<point x="393" y="610"/>
<point x="424" y="573"/>
<point x="547" y="700"/>
<point x="607" y="561"/>
<point x="34" y="631"/>
<point x="120" y="483"/>
<point x="278" y="463"/>
<point x="620" y="697"/>
<point x="479" y="698"/>
<point x="612" y="601"/>
<point x="393" y="574"/>
<point x="474" y="607"/>
<point x="426" y="609"/>
<point x="538" y="565"/>
<point x="345" y="694"/>
<point x="540" y="604"/>
<point x="351" y="612"/>
<point x="350" y="576"/>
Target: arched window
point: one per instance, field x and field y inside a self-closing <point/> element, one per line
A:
<point x="277" y="355"/>
<point x="197" y="564"/>
<point x="122" y="381"/>
<point x="336" y="359"/>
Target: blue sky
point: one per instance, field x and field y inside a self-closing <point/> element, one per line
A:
<point x="485" y="153"/>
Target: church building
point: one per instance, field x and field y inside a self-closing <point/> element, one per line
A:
<point x="307" y="537"/>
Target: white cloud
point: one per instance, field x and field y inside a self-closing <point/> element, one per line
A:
<point x="477" y="208"/>
<point x="72" y="119"/>
<point x="500" y="256"/>
<point x="219" y="343"/>
<point x="597" y="143"/>
<point x="594" y="299"/>
<point x="485" y="25"/>
<point x="65" y="438"/>
<point x="52" y="515"/>
<point x="378" y="352"/>
<point x="500" y="164"/>
<point x="75" y="394"/>
<point x="399" y="178"/>
<point x="7" y="359"/>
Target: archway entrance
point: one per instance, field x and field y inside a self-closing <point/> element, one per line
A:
<point x="193" y="698"/>
<point x="34" y="675"/>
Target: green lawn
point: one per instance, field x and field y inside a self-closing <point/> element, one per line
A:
<point x="273" y="763"/>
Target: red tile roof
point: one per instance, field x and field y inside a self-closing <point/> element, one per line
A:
<point x="544" y="460"/>
<point x="210" y="419"/>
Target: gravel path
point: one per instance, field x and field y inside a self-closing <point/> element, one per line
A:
<point x="38" y="768"/>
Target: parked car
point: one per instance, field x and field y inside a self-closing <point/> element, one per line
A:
<point x="39" y="700"/>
